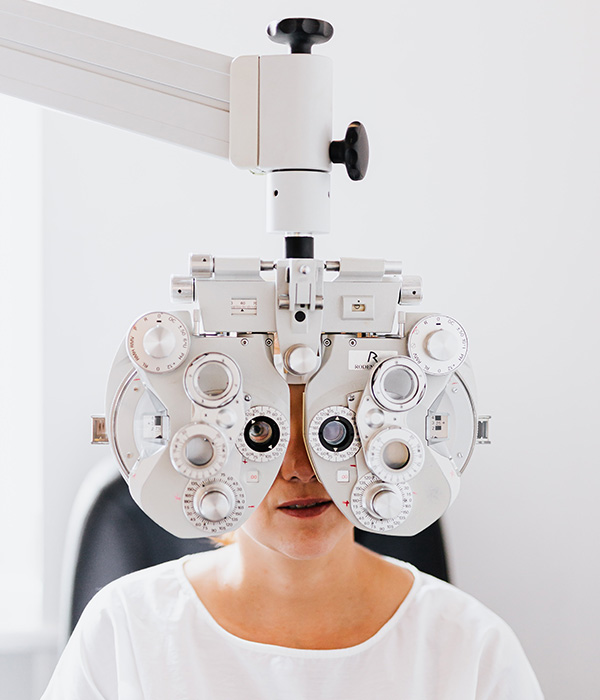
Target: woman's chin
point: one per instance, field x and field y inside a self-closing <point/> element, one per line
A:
<point x="300" y="541"/>
<point x="301" y="550"/>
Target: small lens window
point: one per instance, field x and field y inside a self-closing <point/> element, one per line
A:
<point x="395" y="455"/>
<point x="212" y="379"/>
<point x="261" y="434"/>
<point x="199" y="451"/>
<point x="399" y="384"/>
<point x="336" y="434"/>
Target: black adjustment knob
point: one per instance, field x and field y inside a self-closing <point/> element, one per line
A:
<point x="301" y="33"/>
<point x="353" y="151"/>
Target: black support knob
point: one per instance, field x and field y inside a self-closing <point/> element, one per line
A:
<point x="301" y="33"/>
<point x="353" y="151"/>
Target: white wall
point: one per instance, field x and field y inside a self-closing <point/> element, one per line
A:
<point x="485" y="174"/>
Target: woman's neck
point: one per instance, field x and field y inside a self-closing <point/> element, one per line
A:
<point x="281" y="576"/>
<point x="336" y="600"/>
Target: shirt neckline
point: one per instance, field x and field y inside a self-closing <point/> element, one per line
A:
<point x="275" y="649"/>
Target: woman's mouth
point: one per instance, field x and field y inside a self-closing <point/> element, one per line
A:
<point x="305" y="507"/>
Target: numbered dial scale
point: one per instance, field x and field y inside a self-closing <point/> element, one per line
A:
<point x="438" y="344"/>
<point x="198" y="450"/>
<point x="158" y="342"/>
<point x="395" y="455"/>
<point x="265" y="436"/>
<point x="214" y="505"/>
<point x="333" y="434"/>
<point x="378" y="506"/>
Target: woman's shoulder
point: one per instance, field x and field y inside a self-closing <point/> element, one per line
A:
<point x="436" y="607"/>
<point x="143" y="591"/>
<point x="439" y="596"/>
<point x="461" y="638"/>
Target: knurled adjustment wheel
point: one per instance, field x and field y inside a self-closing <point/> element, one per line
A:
<point x="353" y="151"/>
<point x="300" y="33"/>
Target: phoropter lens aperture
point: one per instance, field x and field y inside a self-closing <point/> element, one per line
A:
<point x="395" y="455"/>
<point x="199" y="451"/>
<point x="399" y="384"/>
<point x="212" y="379"/>
<point x="261" y="434"/>
<point x="336" y="434"/>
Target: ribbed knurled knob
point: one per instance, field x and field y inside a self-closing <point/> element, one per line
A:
<point x="300" y="33"/>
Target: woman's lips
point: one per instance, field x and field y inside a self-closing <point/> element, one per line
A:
<point x="305" y="507"/>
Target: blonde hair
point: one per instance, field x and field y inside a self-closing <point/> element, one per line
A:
<point x="223" y="540"/>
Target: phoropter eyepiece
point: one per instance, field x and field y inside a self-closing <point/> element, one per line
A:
<point x="336" y="434"/>
<point x="261" y="434"/>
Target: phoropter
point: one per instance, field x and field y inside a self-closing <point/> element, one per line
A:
<point x="197" y="409"/>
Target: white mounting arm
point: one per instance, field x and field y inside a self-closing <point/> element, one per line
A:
<point x="115" y="75"/>
<point x="281" y="107"/>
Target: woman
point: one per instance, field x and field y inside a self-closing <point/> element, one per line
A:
<point x="293" y="609"/>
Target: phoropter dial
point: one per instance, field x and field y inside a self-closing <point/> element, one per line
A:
<point x="438" y="344"/>
<point x="379" y="506"/>
<point x="395" y="455"/>
<point x="214" y="505"/>
<point x="212" y="380"/>
<point x="198" y="450"/>
<point x="398" y="384"/>
<point x="214" y="502"/>
<point x="158" y="342"/>
<point x="333" y="434"/>
<point x="265" y="436"/>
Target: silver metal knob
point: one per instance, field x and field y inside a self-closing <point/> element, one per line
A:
<point x="159" y="342"/>
<point x="202" y="266"/>
<point x="375" y="418"/>
<point x="300" y="359"/>
<point x="212" y="505"/>
<point x="392" y="267"/>
<point x="441" y="345"/>
<point x="412" y="290"/>
<point x="182" y="289"/>
<point x="385" y="504"/>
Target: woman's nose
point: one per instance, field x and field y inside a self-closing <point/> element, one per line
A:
<point x="296" y="463"/>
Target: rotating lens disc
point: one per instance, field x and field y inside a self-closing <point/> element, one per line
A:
<point x="265" y="436"/>
<point x="198" y="451"/>
<point x="364" y="498"/>
<point x="396" y="455"/>
<point x="398" y="384"/>
<point x="212" y="380"/>
<point x="205" y="501"/>
<point x="333" y="434"/>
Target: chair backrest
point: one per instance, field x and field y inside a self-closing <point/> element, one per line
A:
<point x="110" y="536"/>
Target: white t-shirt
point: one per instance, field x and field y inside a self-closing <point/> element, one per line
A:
<point x="147" y="636"/>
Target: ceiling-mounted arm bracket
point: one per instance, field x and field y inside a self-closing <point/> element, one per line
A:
<point x="115" y="75"/>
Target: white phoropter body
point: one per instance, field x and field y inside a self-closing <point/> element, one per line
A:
<point x="197" y="403"/>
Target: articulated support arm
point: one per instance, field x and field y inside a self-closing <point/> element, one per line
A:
<point x="115" y="75"/>
<point x="264" y="113"/>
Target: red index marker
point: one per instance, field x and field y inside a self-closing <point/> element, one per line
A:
<point x="346" y="503"/>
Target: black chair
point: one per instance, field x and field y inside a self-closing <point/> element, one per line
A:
<point x="110" y="536"/>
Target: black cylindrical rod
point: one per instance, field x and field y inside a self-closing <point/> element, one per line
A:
<point x="299" y="247"/>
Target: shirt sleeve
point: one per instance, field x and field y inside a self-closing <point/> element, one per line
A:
<point x="504" y="670"/>
<point x="87" y="668"/>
